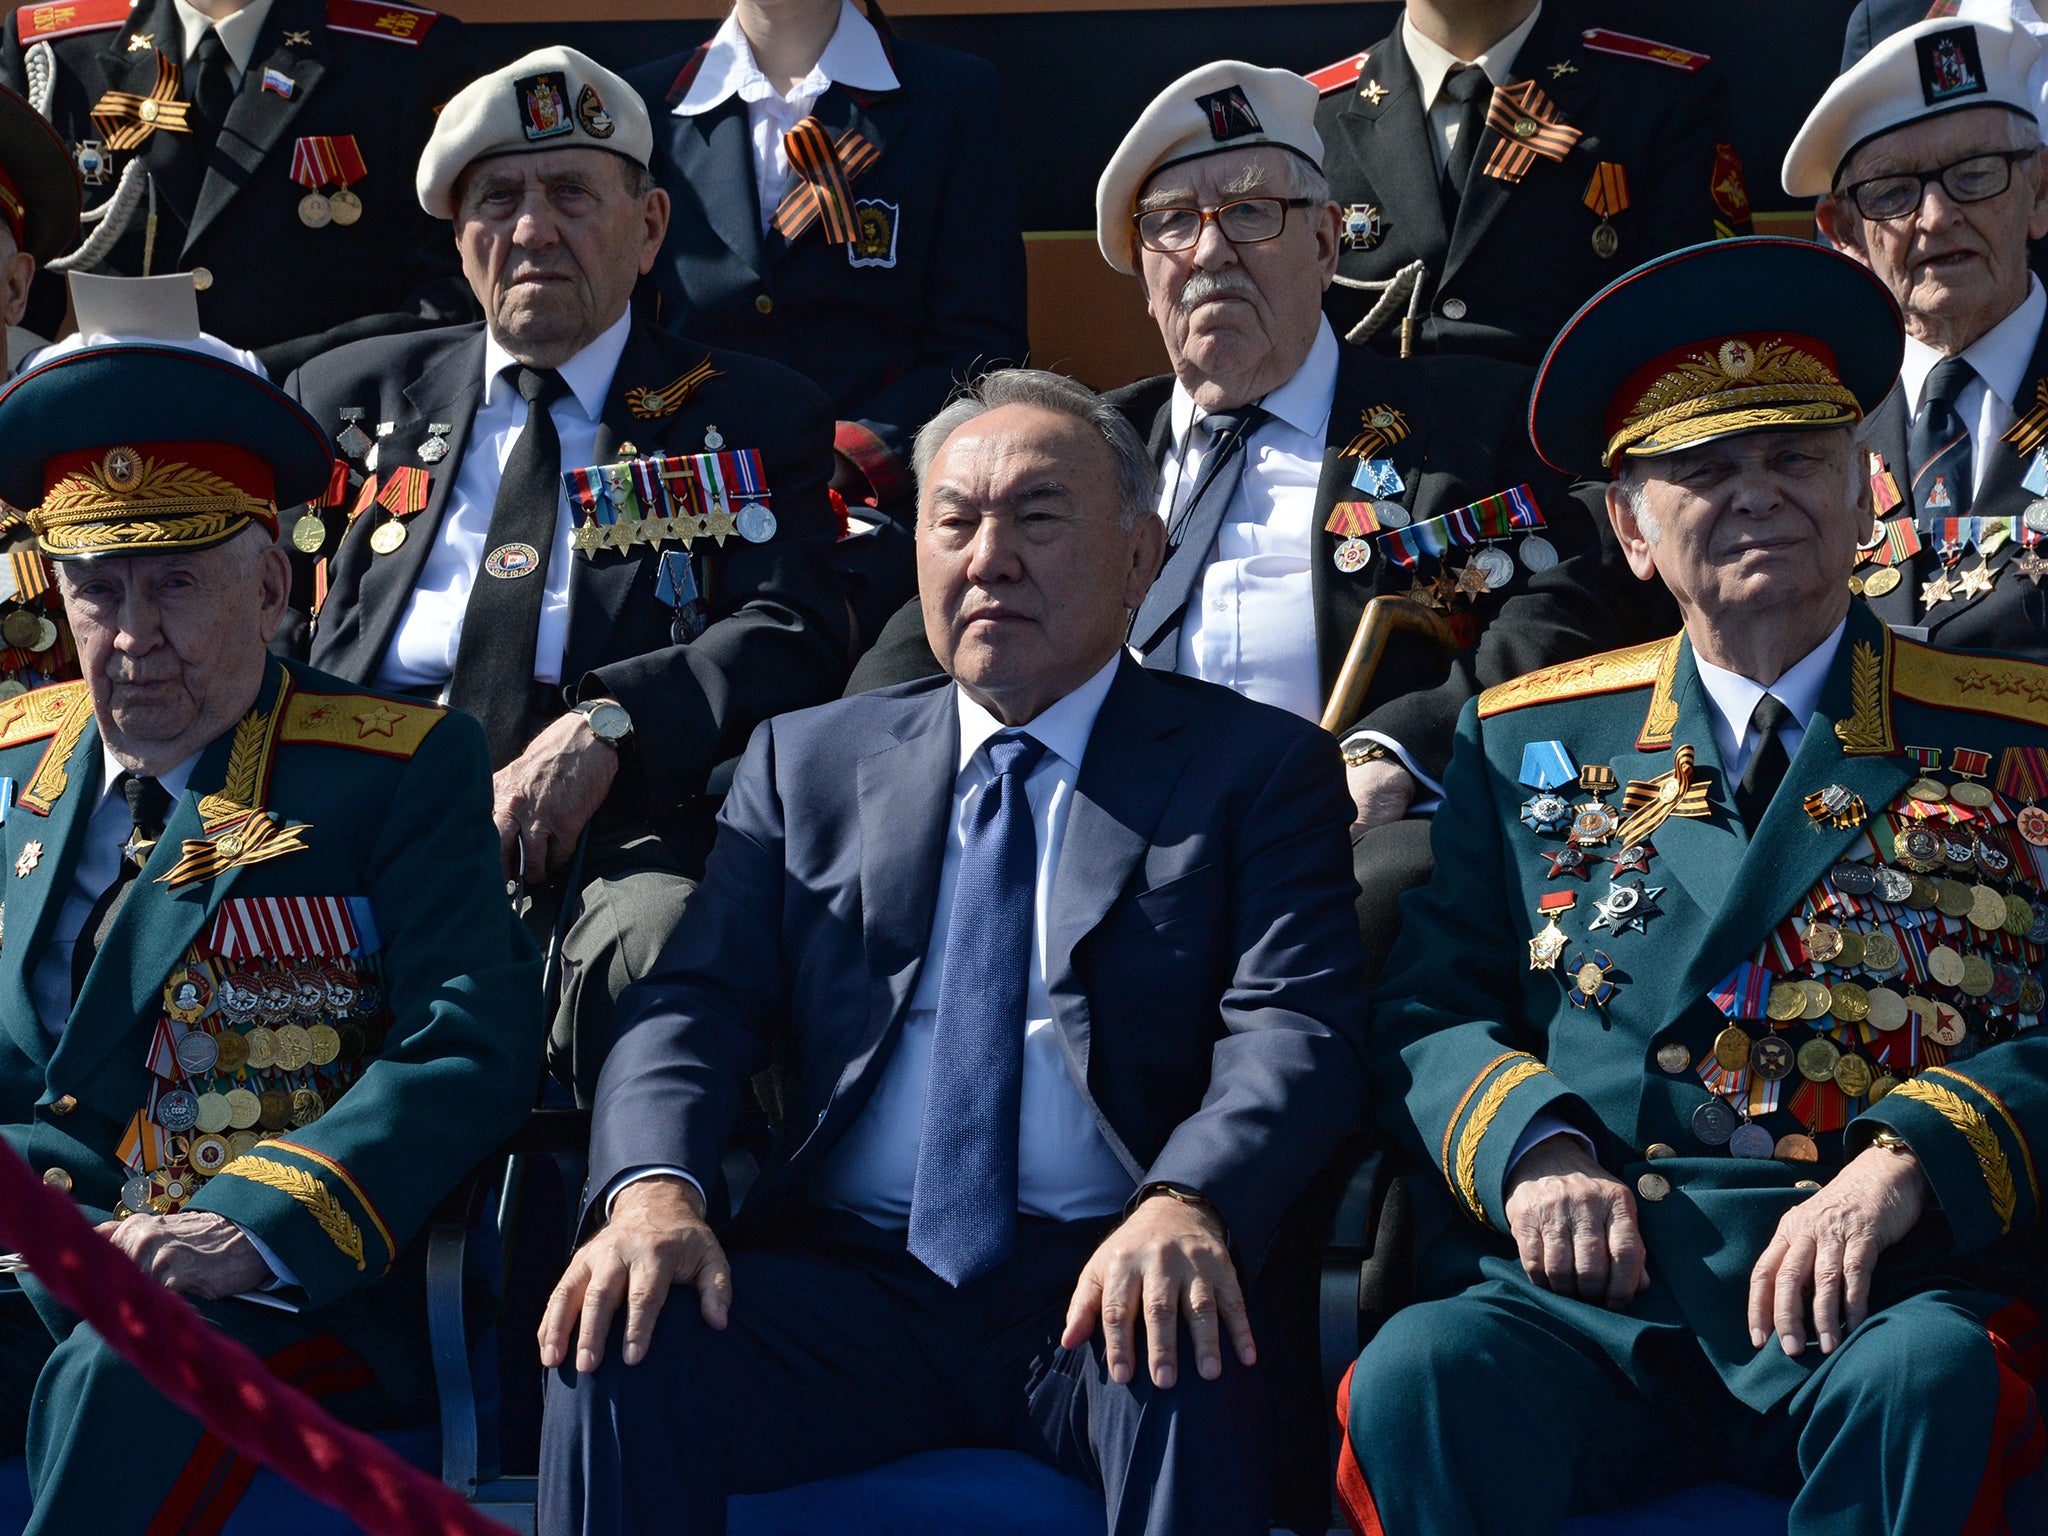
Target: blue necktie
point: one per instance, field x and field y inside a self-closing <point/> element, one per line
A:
<point x="963" y="1205"/>
<point x="1938" y="446"/>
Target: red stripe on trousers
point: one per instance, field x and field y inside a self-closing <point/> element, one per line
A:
<point x="2017" y="1437"/>
<point x="214" y="1478"/>
<point x="1353" y="1496"/>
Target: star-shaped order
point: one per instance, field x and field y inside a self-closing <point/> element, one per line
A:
<point x="136" y="849"/>
<point x="1471" y="580"/>
<point x="1627" y="904"/>
<point x="1977" y="580"/>
<point x="1633" y="860"/>
<point x="1569" y="861"/>
<point x="1939" y="590"/>
<point x="2028" y="563"/>
<point x="1374" y="92"/>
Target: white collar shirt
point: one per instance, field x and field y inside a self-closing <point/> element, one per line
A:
<point x="1433" y="63"/>
<point x="1065" y="1169"/>
<point x="1999" y="358"/>
<point x="238" y="34"/>
<point x="1250" y="623"/>
<point x="854" y="57"/>
<point x="422" y="652"/>
<point x="1734" y="699"/>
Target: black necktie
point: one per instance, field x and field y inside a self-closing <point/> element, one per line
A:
<point x="1767" y="760"/>
<point x="209" y="90"/>
<point x="212" y="91"/>
<point x="1190" y="532"/>
<point x="1468" y="86"/>
<point x="1939" y="444"/>
<point x="148" y="805"/>
<point x="501" y="624"/>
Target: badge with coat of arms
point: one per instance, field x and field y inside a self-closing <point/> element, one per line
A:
<point x="875" y="246"/>
<point x="544" y="105"/>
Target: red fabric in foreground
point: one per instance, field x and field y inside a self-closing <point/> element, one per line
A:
<point x="215" y="1379"/>
<point x="2017" y="1436"/>
<point x="1353" y="1496"/>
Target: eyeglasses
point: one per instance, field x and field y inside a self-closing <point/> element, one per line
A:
<point x="1975" y="180"/>
<point x="1248" y="221"/>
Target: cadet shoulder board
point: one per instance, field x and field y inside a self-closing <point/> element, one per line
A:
<point x="45" y="23"/>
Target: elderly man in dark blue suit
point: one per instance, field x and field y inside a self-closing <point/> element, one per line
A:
<point x="1054" y="965"/>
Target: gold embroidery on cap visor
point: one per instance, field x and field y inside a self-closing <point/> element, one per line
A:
<point x="128" y="503"/>
<point x="1715" y="390"/>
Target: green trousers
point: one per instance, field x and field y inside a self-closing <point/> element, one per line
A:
<point x="1489" y="1412"/>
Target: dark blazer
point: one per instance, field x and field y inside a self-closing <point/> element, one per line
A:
<point x="886" y="342"/>
<point x="1521" y="259"/>
<point x="777" y="636"/>
<point x="1206" y="978"/>
<point x="2013" y="615"/>
<point x="275" y="282"/>
<point x="1875" y="20"/>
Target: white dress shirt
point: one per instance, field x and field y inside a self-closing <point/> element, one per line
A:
<point x="238" y="35"/>
<point x="1734" y="698"/>
<point x="1065" y="1170"/>
<point x="1433" y="62"/>
<point x="855" y="57"/>
<point x="2000" y="358"/>
<point x="423" y="651"/>
<point x="1251" y="621"/>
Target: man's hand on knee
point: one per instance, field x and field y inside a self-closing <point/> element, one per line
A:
<point x="1827" y="1246"/>
<point x="1574" y="1225"/>
<point x="544" y="797"/>
<point x="657" y="1237"/>
<point x="1381" y="792"/>
<point x="195" y="1252"/>
<point x="1168" y="1262"/>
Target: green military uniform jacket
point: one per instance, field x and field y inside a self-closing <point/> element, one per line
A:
<point x="375" y="935"/>
<point x="1473" y="1038"/>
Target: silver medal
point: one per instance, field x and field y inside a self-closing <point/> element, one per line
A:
<point x="435" y="448"/>
<point x="1391" y="514"/>
<point x="1537" y="552"/>
<point x="755" y="522"/>
<point x="1495" y="565"/>
<point x="2036" y="515"/>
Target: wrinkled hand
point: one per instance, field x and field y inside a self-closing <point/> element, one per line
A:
<point x="195" y="1252"/>
<point x="544" y="797"/>
<point x="1167" y="1262"/>
<point x="657" y="1237"/>
<point x="1827" y="1247"/>
<point x="1574" y="1225"/>
<point x="1382" y="791"/>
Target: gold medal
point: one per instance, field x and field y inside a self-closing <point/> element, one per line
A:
<point x="306" y="1107"/>
<point x="1945" y="965"/>
<point x="1853" y="1076"/>
<point x="1731" y="1047"/>
<point x="1819" y="1000"/>
<point x="1885" y="1010"/>
<point x="315" y="211"/>
<point x="1952" y="898"/>
<point x="275" y="1109"/>
<point x="234" y="1052"/>
<point x="1987" y="909"/>
<point x="1796" y="1148"/>
<point x="1931" y="790"/>
<point x="1605" y="241"/>
<point x="1823" y="941"/>
<point x="1818" y="1059"/>
<point x="1786" y="1002"/>
<point x="20" y="628"/>
<point x="326" y="1044"/>
<point x="308" y="534"/>
<point x="1977" y="977"/>
<point x="1880" y="581"/>
<point x="294" y="1048"/>
<point x="388" y="537"/>
<point x="1881" y="1085"/>
<point x="2019" y="916"/>
<point x="1851" y="1004"/>
<point x="262" y="1045"/>
<point x="1968" y="792"/>
<point x="210" y="1154"/>
<point x="242" y="1143"/>
<point x="214" y="1113"/>
<point x="1881" y="953"/>
<point x="244" y="1108"/>
<point x="344" y="207"/>
<point x="1921" y="897"/>
<point x="1851" y="957"/>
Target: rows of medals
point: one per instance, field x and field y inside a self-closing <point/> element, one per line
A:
<point x="1915" y="958"/>
<point x="38" y="650"/>
<point x="259" y="1047"/>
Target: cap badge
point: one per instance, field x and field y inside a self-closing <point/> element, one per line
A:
<point x="1230" y="114"/>
<point x="122" y="467"/>
<point x="1950" y="65"/>
<point x="591" y="114"/>
<point x="544" y="105"/>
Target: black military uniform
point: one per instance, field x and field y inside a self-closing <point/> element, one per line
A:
<point x="766" y="635"/>
<point x="340" y="93"/>
<point x="1526" y="251"/>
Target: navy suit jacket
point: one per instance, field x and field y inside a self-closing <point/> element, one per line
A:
<point x="887" y="340"/>
<point x="1204" y="965"/>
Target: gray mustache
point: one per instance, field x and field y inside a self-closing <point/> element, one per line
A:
<point x="1204" y="286"/>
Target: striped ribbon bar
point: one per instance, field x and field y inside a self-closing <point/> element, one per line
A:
<point x="1529" y="125"/>
<point x="2023" y="773"/>
<point x="405" y="491"/>
<point x="1719" y="1079"/>
<point x="119" y="114"/>
<point x="1764" y="1094"/>
<point x="2028" y="431"/>
<point x="31" y="573"/>
<point x="1352" y="520"/>
<point x="292" y="928"/>
<point x="1741" y="993"/>
<point x="1491" y="517"/>
<point x="1607" y="192"/>
<point x="326" y="160"/>
<point x="825" y="189"/>
<point x="1901" y="542"/>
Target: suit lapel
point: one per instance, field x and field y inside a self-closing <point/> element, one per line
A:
<point x="130" y="68"/>
<point x="33" y="900"/>
<point x="1698" y="853"/>
<point x="257" y="119"/>
<point x="1131" y="767"/>
<point x="714" y="157"/>
<point x="1391" y="139"/>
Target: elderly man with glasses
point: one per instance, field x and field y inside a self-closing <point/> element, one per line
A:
<point x="1300" y="480"/>
<point x="1927" y="161"/>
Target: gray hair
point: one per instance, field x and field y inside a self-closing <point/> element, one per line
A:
<point x="1136" y="478"/>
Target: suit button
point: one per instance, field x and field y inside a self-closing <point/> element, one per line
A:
<point x="201" y="279"/>
<point x="764" y="304"/>
<point x="57" y="1178"/>
<point x="1454" y="309"/>
<point x="64" y="1105"/>
<point x="1653" y="1186"/>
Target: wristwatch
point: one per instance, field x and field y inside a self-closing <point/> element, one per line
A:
<point x="608" y="719"/>
<point x="1185" y="1194"/>
<point x="1366" y="752"/>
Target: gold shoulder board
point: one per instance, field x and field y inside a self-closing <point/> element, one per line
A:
<point x="34" y="715"/>
<point x="1986" y="685"/>
<point x="1614" y="672"/>
<point x="366" y="722"/>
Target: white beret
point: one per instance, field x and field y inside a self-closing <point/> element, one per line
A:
<point x="554" y="98"/>
<point x="1930" y="68"/>
<point x="1218" y="108"/>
